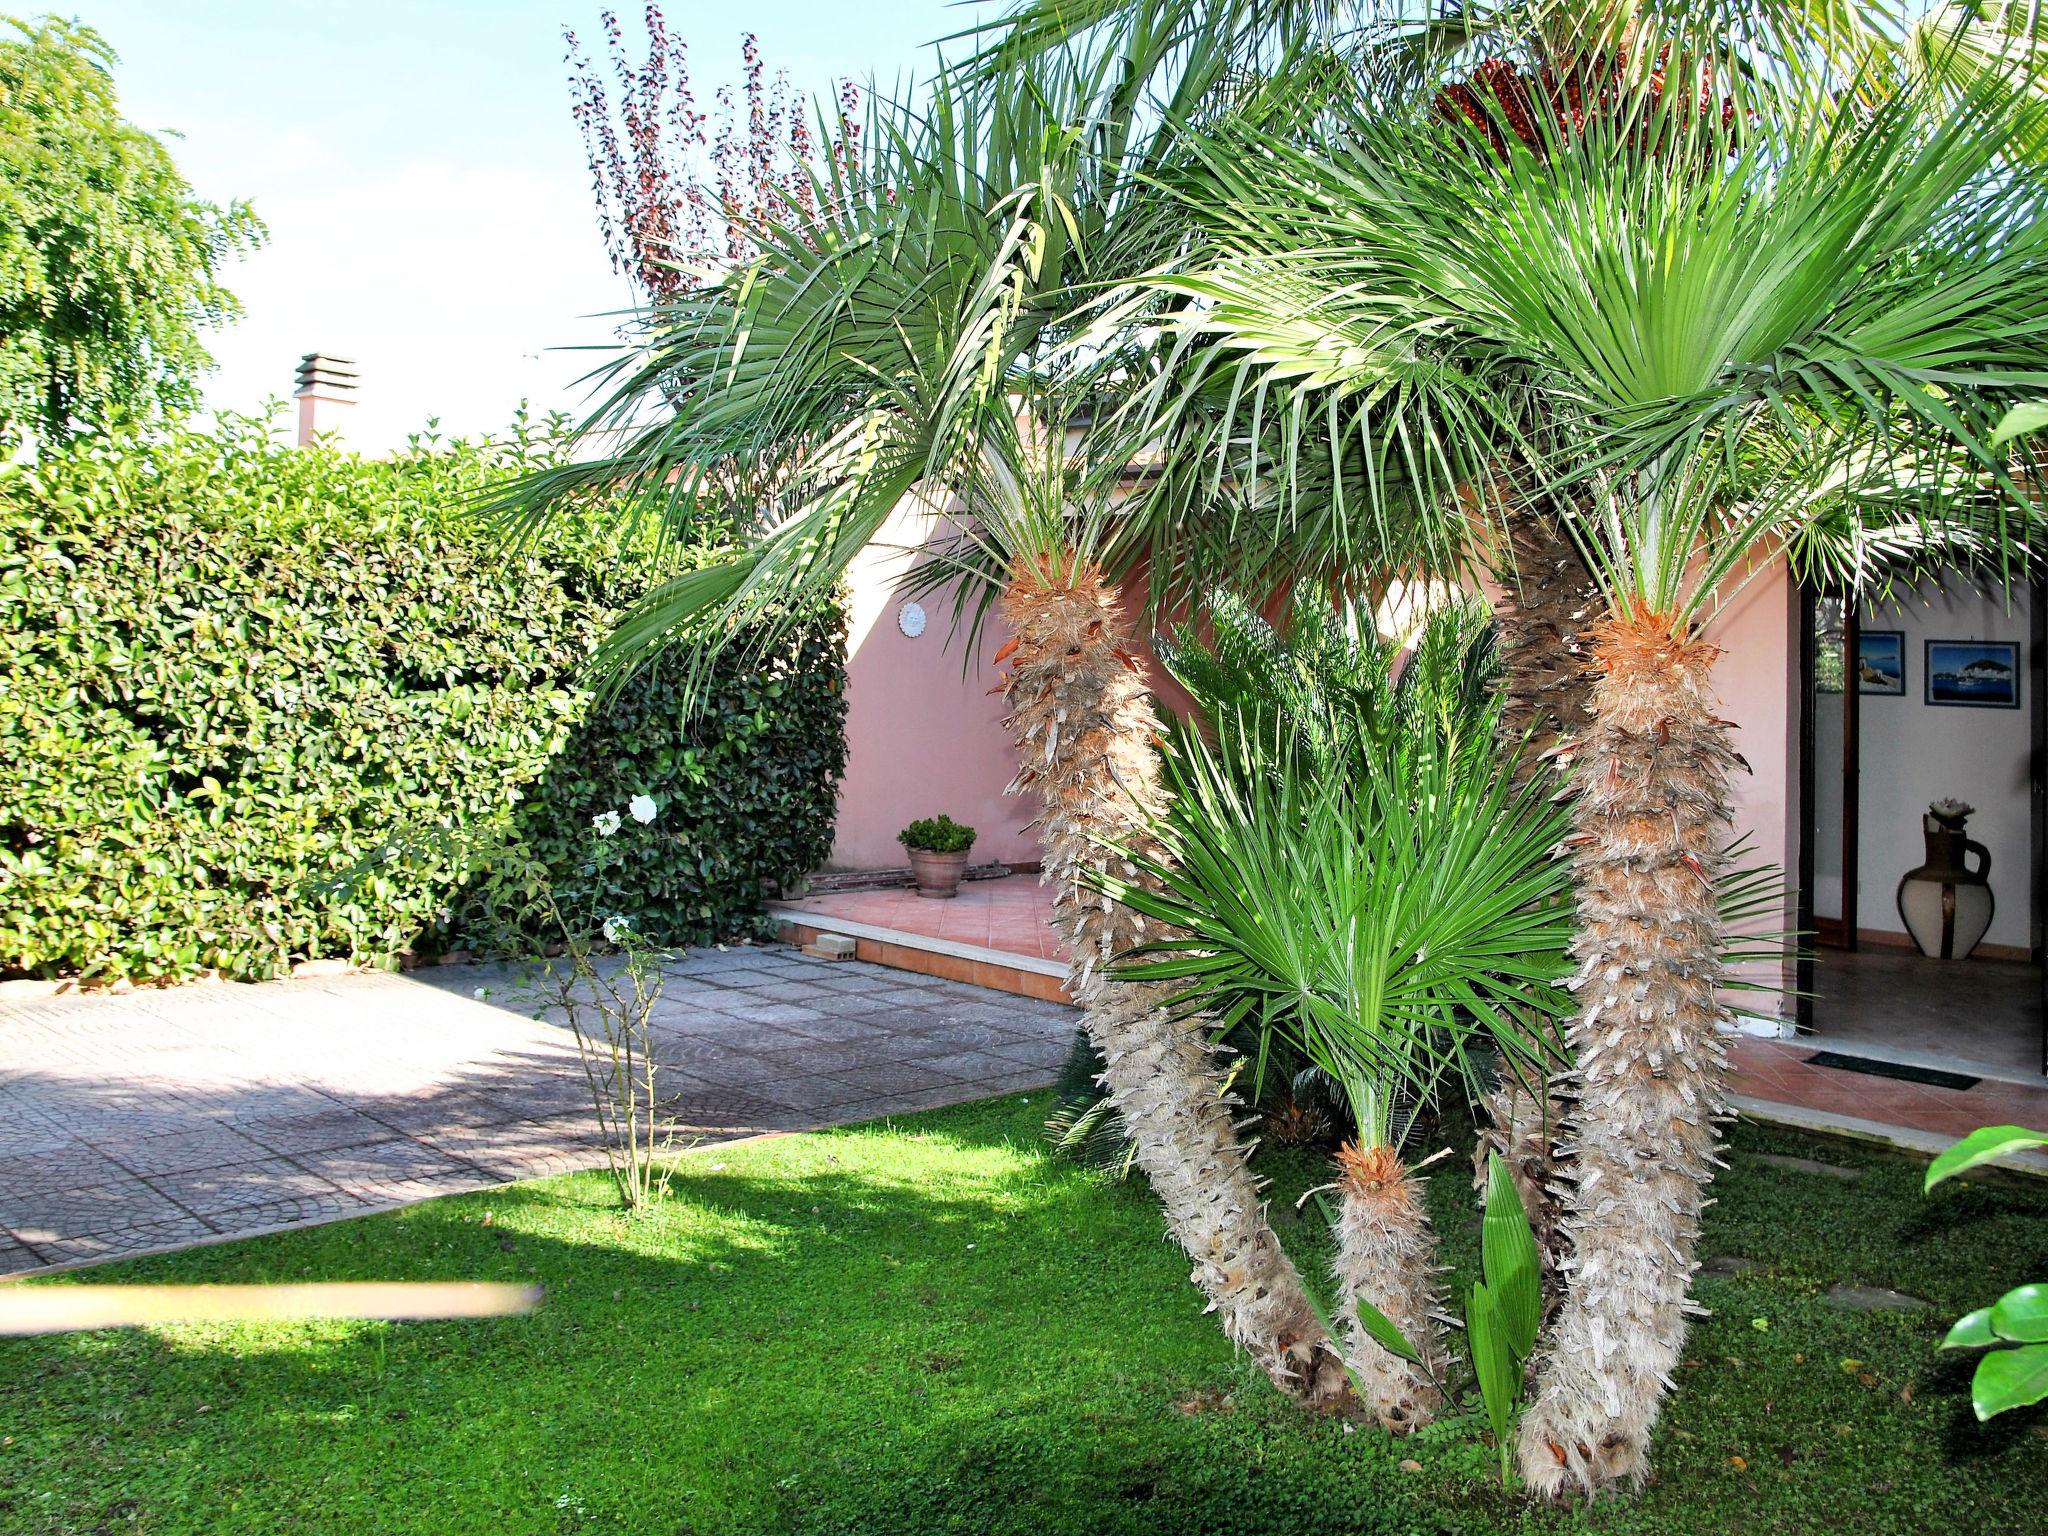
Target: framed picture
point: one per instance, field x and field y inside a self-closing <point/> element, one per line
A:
<point x="1977" y="674"/>
<point x="1881" y="661"/>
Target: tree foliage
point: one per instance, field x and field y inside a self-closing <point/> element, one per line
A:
<point x="680" y="199"/>
<point x="110" y="265"/>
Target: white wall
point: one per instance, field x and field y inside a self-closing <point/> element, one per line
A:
<point x="1913" y="752"/>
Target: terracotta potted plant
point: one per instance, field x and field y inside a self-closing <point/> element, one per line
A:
<point x="938" y="854"/>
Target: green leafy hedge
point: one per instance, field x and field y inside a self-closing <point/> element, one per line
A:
<point x="232" y="672"/>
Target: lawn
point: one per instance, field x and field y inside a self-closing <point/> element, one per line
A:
<point x="924" y="1326"/>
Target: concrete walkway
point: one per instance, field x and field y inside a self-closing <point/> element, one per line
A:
<point x="158" y="1119"/>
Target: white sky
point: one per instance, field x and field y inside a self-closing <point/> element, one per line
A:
<point x="429" y="206"/>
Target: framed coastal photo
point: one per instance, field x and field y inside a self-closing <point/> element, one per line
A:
<point x="1881" y="661"/>
<point x="1976" y="674"/>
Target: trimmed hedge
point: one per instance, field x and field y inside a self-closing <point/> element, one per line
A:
<point x="232" y="672"/>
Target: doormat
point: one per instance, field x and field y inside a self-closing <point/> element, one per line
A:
<point x="1892" y="1069"/>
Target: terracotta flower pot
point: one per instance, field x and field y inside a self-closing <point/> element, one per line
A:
<point x="938" y="874"/>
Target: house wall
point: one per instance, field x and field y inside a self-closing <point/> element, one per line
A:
<point x="923" y="733"/>
<point x="1913" y="752"/>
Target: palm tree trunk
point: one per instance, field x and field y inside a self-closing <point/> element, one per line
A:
<point x="1087" y="733"/>
<point x="1652" y="817"/>
<point x="1543" y="615"/>
<point x="1386" y="1254"/>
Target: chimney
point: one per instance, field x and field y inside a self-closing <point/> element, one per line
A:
<point x="326" y="385"/>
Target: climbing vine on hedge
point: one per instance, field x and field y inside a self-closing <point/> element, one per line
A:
<point x="230" y="672"/>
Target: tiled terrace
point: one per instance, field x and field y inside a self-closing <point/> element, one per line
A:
<point x="1773" y="1078"/>
<point x="995" y="933"/>
<point x="1011" y="914"/>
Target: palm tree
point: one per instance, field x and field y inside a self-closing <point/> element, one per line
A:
<point x="1351" y="868"/>
<point x="1547" y="594"/>
<point x="1680" y="321"/>
<point x="906" y="337"/>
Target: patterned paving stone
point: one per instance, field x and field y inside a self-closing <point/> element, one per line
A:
<point x="852" y="977"/>
<point x="709" y="1055"/>
<point x="802" y="992"/>
<point x="836" y="1028"/>
<point x="208" y="1192"/>
<point x="336" y="1127"/>
<point x="64" y="1166"/>
<point x="815" y="1092"/>
<point x="40" y="1216"/>
<point x="823" y="1058"/>
<point x="537" y="1097"/>
<point x="385" y="1163"/>
<point x="971" y="1066"/>
<point x="900" y="996"/>
<point x="790" y="1016"/>
<point x="887" y="1008"/>
<point x="1012" y="1020"/>
<point x="141" y="1237"/>
<point x="431" y="1111"/>
<point x="897" y="1077"/>
<point x="17" y="1257"/>
<point x="287" y="1211"/>
<point x="525" y="1149"/>
<point x="744" y="976"/>
<point x="725" y="1109"/>
<point x="943" y="1038"/>
<point x="205" y="1146"/>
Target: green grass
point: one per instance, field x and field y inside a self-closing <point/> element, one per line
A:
<point x="925" y="1326"/>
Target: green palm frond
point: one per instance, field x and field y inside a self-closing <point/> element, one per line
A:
<point x="1349" y="870"/>
<point x="923" y="330"/>
<point x="865" y="353"/>
<point x="1381" y="925"/>
<point x="1635" y="310"/>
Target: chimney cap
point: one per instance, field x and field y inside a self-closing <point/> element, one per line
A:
<point x="326" y="370"/>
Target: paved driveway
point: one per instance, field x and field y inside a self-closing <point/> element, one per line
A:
<point x="158" y="1119"/>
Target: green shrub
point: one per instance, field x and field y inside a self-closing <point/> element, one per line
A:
<point x="231" y="672"/>
<point x="937" y="834"/>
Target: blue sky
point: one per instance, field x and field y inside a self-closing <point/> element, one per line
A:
<point x="426" y="192"/>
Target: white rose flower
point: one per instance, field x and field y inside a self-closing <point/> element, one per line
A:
<point x="616" y="928"/>
<point x="606" y="822"/>
<point x="642" y="808"/>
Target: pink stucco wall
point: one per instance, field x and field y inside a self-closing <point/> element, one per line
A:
<point x="925" y="735"/>
<point x="1757" y="679"/>
<point x="923" y="732"/>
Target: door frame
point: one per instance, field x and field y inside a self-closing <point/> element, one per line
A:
<point x="2037" y="684"/>
<point x="1840" y="932"/>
